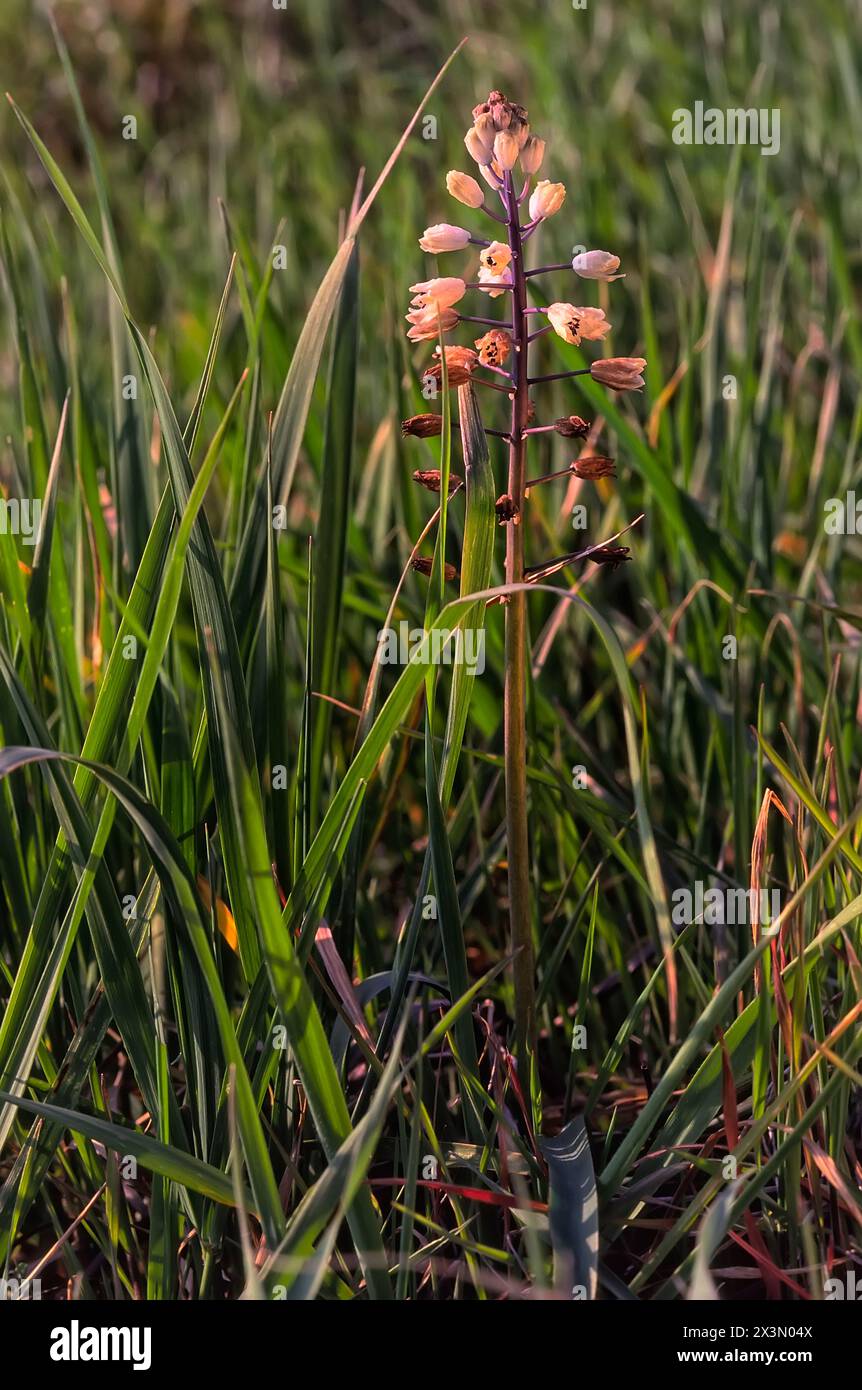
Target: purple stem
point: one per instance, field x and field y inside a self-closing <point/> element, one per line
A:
<point x="515" y="672"/>
<point x="558" y="376"/>
<point x="543" y="269"/>
<point x="493" y="323"/>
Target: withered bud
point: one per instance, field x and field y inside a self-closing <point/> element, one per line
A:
<point x="591" y="468"/>
<point x="458" y="356"/>
<point x="613" y="555"/>
<point x="572" y="426"/>
<point x="459" y="364"/>
<point x="430" y="478"/>
<point x="507" y="510"/>
<point x="505" y="114"/>
<point x="457" y="375"/>
<point x="422" y="426"/>
<point x="531" y="410"/>
<point x="422" y="565"/>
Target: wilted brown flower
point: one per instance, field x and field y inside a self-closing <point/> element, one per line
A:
<point x="572" y="426"/>
<point x="456" y="375"/>
<point x="458" y="357"/>
<point x="620" y="373"/>
<point x="507" y="510"/>
<point x="422" y="426"/>
<point x="430" y="478"/>
<point x="494" y="347"/>
<point x="594" y="467"/>
<point x="460" y="363"/>
<point x="422" y="565"/>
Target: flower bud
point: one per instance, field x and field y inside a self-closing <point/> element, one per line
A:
<point x="485" y="128"/>
<point x="506" y="149"/>
<point x="480" y="140"/>
<point x="596" y="265"/>
<point x="465" y="189"/>
<point x="444" y="237"/>
<point x="546" y="199"/>
<point x="532" y="155"/>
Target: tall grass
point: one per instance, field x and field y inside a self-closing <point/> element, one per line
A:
<point x="254" y="960"/>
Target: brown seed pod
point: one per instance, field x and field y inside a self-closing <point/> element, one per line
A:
<point x="613" y="555"/>
<point x="422" y="426"/>
<point x="430" y="478"/>
<point x="422" y="565"/>
<point x="597" y="466"/>
<point x="572" y="426"/>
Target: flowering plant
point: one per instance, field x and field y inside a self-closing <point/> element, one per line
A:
<point x="500" y="140"/>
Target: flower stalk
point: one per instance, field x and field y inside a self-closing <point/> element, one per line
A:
<point x="515" y="680"/>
